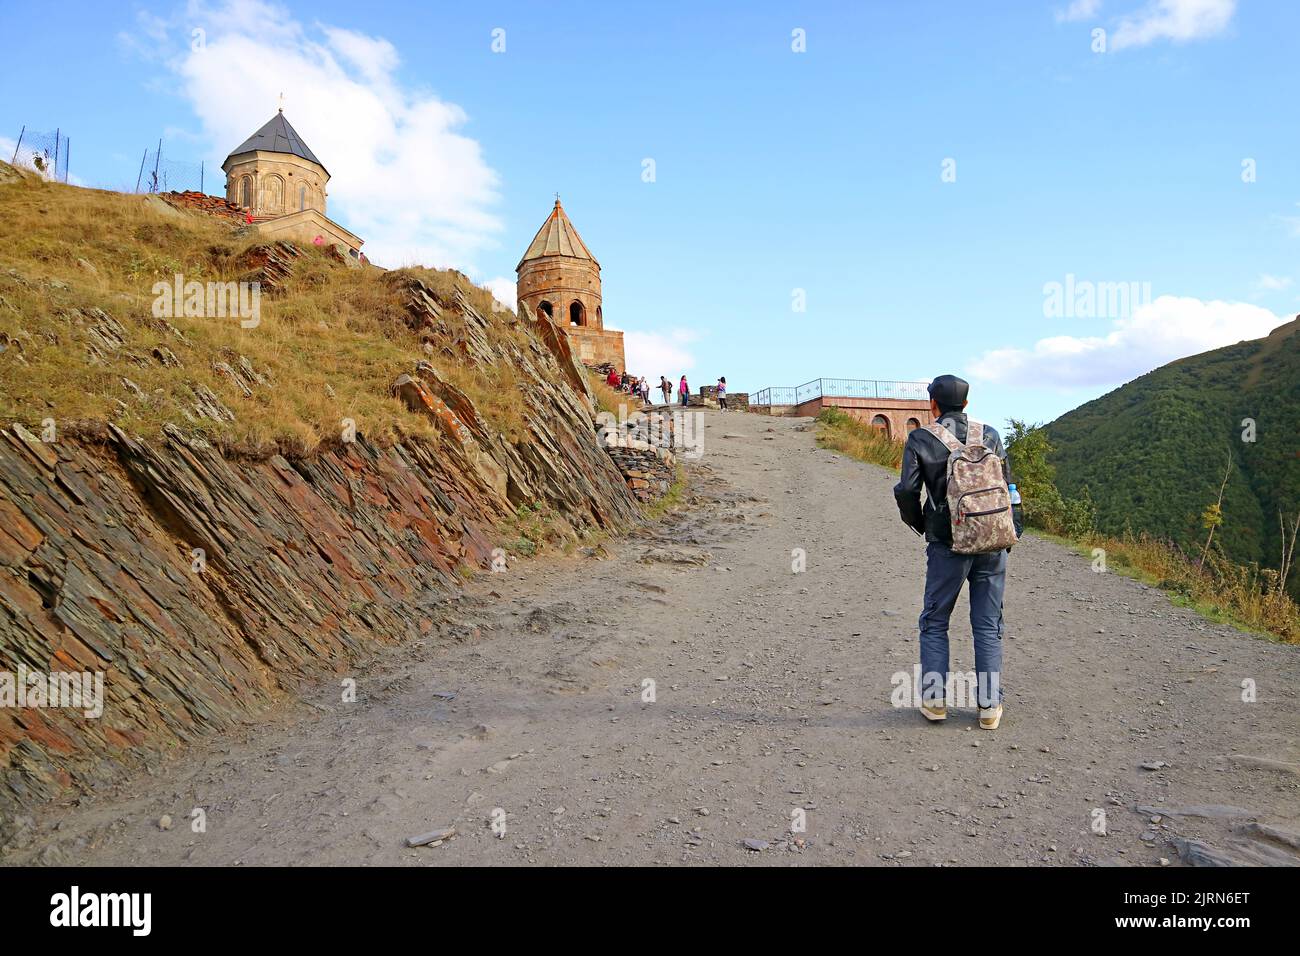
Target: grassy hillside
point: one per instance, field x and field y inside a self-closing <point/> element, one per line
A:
<point x="1134" y="449"/>
<point x="79" y="342"/>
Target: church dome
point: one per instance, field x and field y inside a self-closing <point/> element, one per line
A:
<point x="557" y="237"/>
<point x="276" y="136"/>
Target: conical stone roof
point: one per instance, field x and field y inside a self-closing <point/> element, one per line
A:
<point x="277" y="136"/>
<point x="557" y="237"/>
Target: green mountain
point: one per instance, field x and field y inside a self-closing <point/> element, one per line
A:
<point x="1153" y="452"/>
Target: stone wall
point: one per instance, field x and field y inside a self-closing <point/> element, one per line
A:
<point x="599" y="347"/>
<point x="208" y="589"/>
<point x="307" y="227"/>
<point x="708" y="396"/>
<point x="276" y="183"/>
<point x="901" y="415"/>
<point x="648" y="471"/>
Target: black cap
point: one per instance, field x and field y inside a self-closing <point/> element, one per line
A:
<point x="949" y="392"/>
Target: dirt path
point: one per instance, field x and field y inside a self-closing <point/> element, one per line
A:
<point x="772" y="694"/>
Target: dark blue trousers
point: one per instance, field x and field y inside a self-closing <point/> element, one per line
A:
<point x="945" y="572"/>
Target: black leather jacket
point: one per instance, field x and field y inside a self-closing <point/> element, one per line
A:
<point x="925" y="462"/>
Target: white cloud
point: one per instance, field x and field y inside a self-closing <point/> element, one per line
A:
<point x="1292" y="224"/>
<point x="403" y="177"/>
<point x="659" y="353"/>
<point x="1168" y="328"/>
<point x="148" y="37"/>
<point x="1176" y="20"/>
<point x="504" y="291"/>
<point x="1270" y="283"/>
<point x="1078" y="10"/>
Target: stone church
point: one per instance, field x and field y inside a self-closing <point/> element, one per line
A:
<point x="560" y="278"/>
<point x="281" y="184"/>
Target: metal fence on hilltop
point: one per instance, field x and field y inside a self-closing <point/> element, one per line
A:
<point x="160" y="173"/>
<point x="773" y="396"/>
<point x="840" y="388"/>
<point x="46" y="153"/>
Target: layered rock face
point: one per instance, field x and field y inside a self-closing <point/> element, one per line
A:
<point x="204" y="589"/>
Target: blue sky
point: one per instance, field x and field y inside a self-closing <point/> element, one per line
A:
<point x="778" y="175"/>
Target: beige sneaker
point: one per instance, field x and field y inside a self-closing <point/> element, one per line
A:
<point x="990" y="717"/>
<point x="934" y="711"/>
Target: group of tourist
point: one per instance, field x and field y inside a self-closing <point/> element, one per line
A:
<point x="640" y="386"/>
<point x="632" y="384"/>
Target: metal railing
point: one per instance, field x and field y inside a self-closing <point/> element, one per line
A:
<point x="773" y="396"/>
<point x="840" y="388"/>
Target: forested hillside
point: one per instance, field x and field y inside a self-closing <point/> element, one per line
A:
<point x="1153" y="453"/>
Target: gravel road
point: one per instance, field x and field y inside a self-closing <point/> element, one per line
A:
<point x="771" y="737"/>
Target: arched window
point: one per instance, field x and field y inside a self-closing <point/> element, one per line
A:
<point x="272" y="195"/>
<point x="912" y="423"/>
<point x="545" y="308"/>
<point x="881" y="424"/>
<point x="246" y="192"/>
<point x="302" y="198"/>
<point x="577" y="314"/>
<point x="600" y="319"/>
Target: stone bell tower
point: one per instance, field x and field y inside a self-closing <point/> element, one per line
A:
<point x="560" y="278"/>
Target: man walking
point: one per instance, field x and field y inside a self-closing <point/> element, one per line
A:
<point x="925" y="463"/>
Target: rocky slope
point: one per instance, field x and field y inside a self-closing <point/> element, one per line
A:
<point x="206" y="588"/>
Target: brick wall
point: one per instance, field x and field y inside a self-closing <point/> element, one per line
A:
<point x="902" y="415"/>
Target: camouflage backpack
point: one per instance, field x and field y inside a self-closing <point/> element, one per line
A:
<point x="979" y="504"/>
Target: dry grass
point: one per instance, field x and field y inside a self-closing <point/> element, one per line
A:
<point x="1245" y="597"/>
<point x="493" y="388"/>
<point x="332" y="343"/>
<point x="611" y="399"/>
<point x="840" y="431"/>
